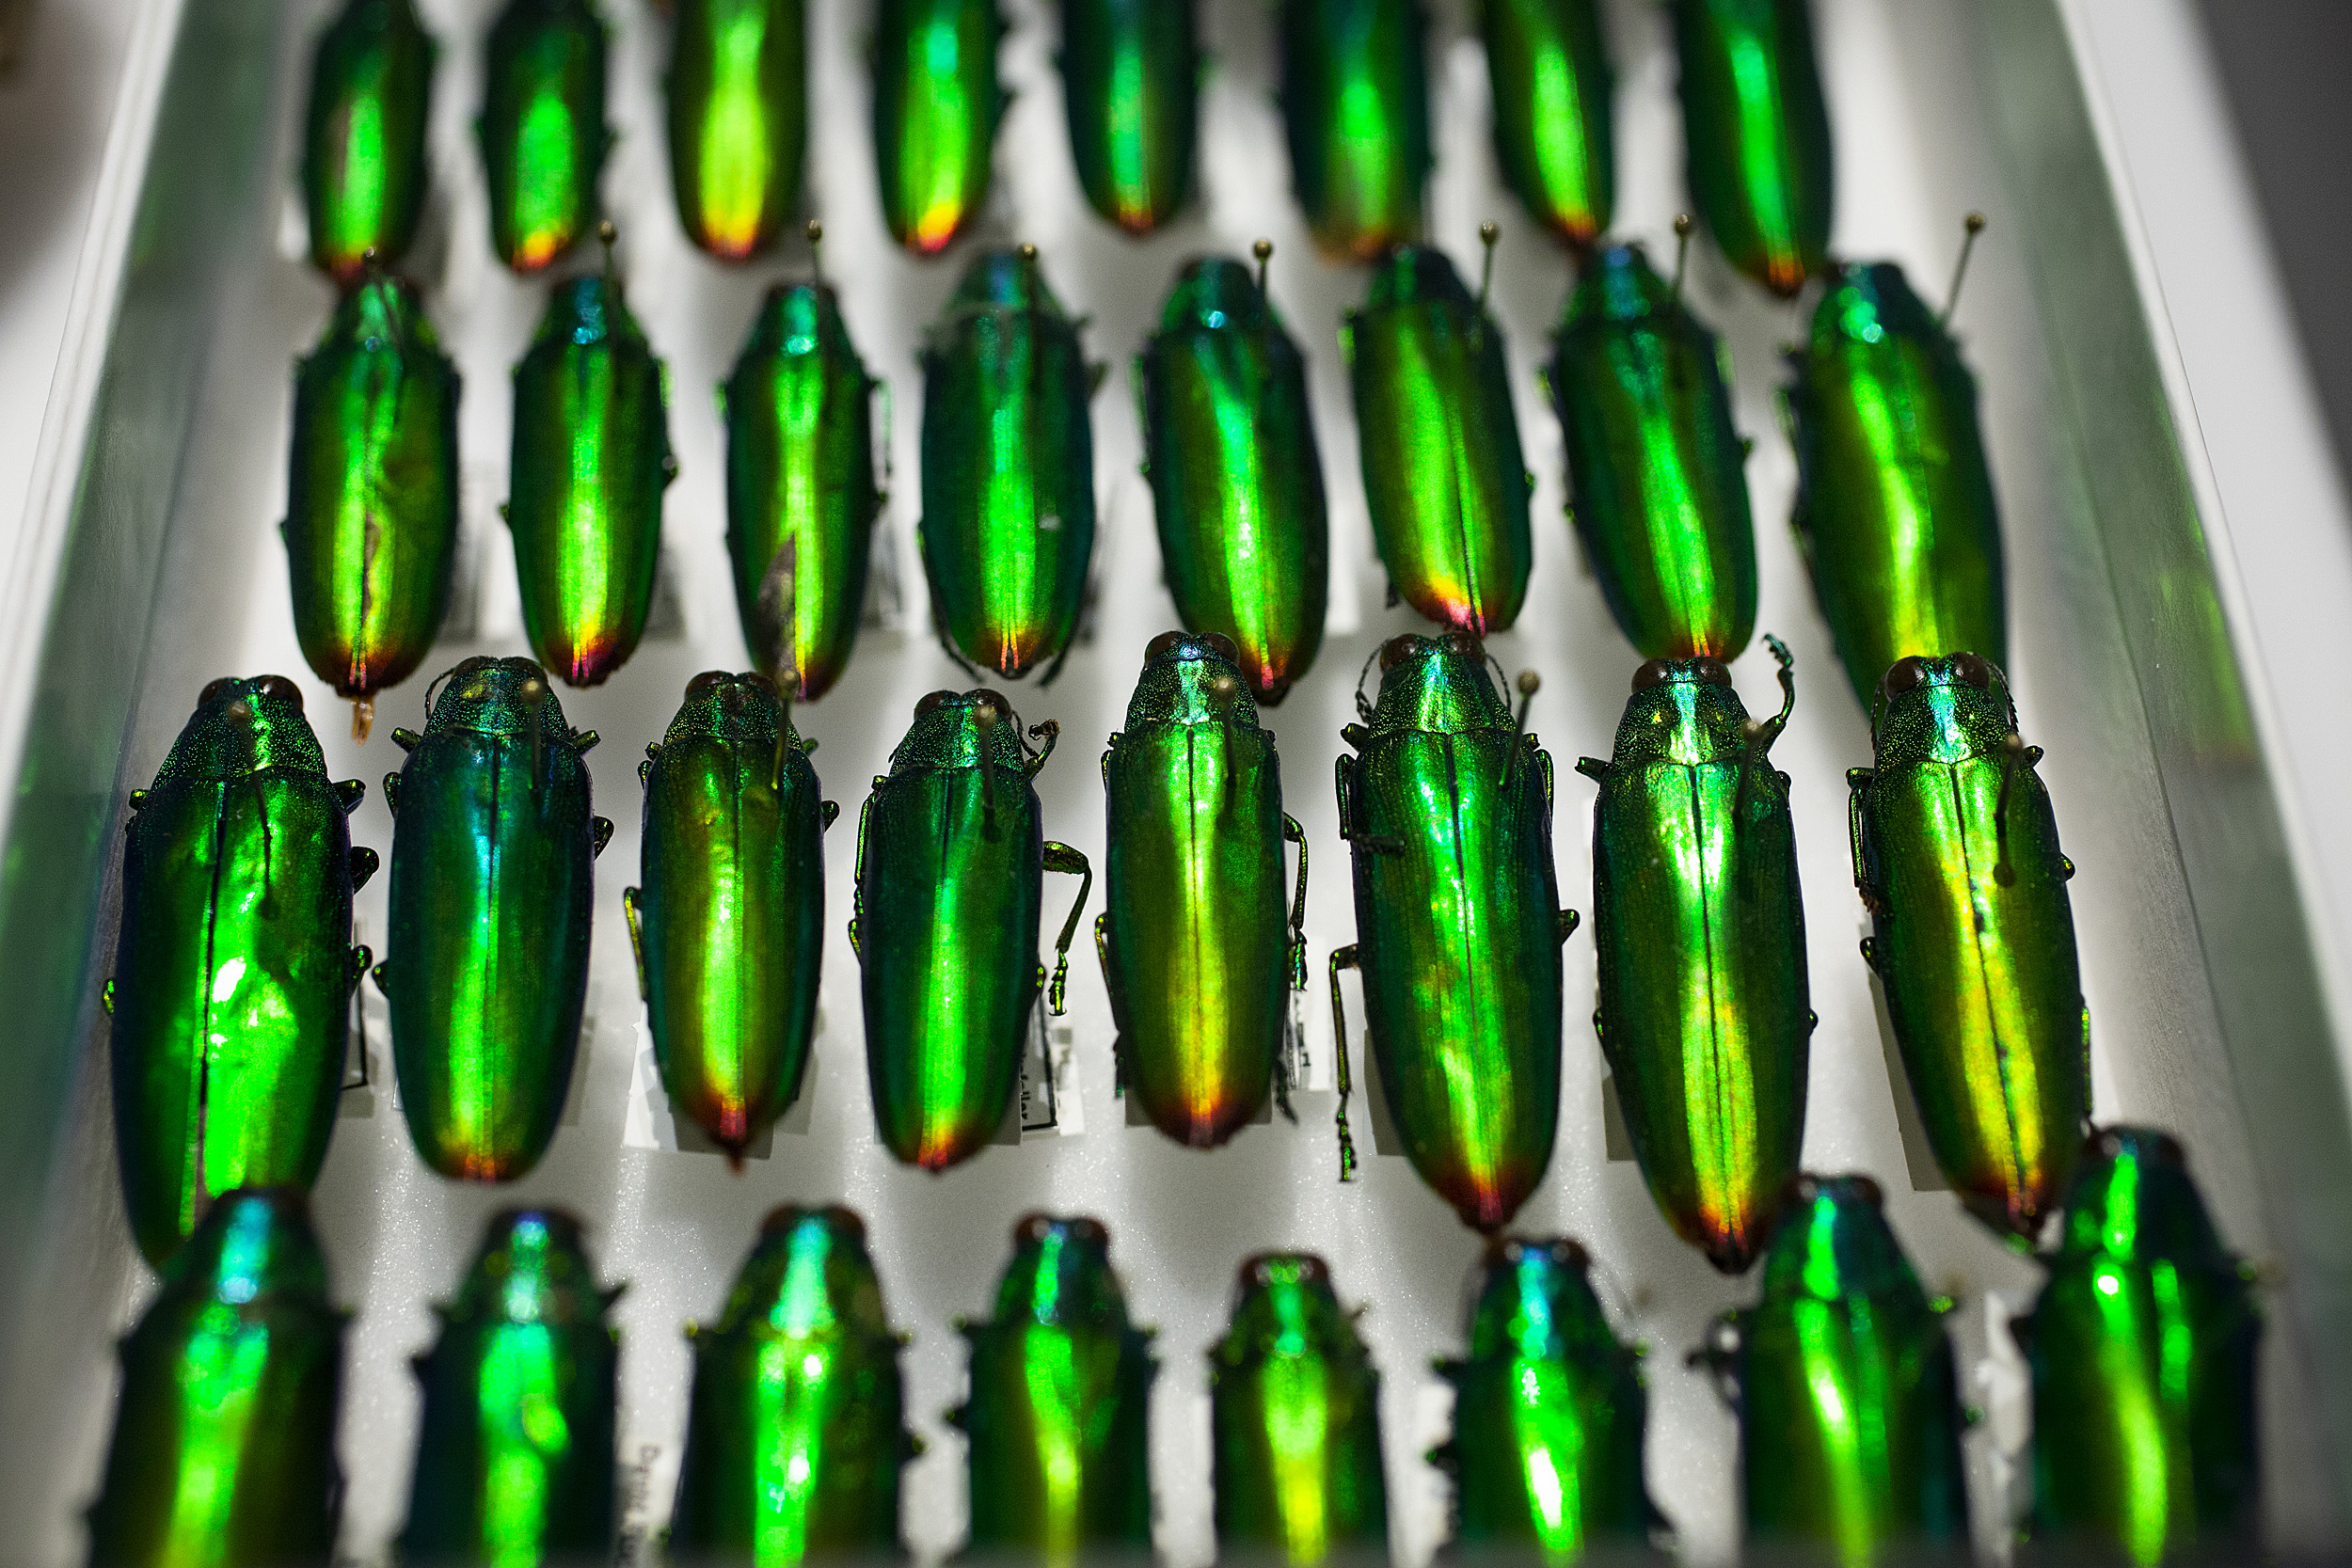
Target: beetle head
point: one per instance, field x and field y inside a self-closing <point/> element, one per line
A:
<point x="1831" y="1240"/>
<point x="1284" y="1305"/>
<point x="1948" y="704"/>
<point x="959" y="729"/>
<point x="1191" y="678"/>
<point x="1060" y="1275"/>
<point x="1436" y="683"/>
<point x="496" y="696"/>
<point x="809" y="1274"/>
<point x="749" y="706"/>
<point x="244" y="726"/>
<point x="2132" y="1197"/>
<point x="1534" y="1296"/>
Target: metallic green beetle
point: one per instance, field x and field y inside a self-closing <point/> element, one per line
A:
<point x="728" y="928"/>
<point x="1756" y="135"/>
<point x="1549" y="1414"/>
<point x="590" y="459"/>
<point x="950" y="865"/>
<point x="492" y="888"/>
<point x="1443" y="474"/>
<point x="1061" y="1387"/>
<point x="937" y="103"/>
<point x="224" y="1439"/>
<point x="1547" y="63"/>
<point x="1956" y="854"/>
<point x="1355" y="109"/>
<point x="235" y="966"/>
<point x="796" y="1433"/>
<point x="1655" y="470"/>
<point x="1236" y="481"/>
<point x="802" y="497"/>
<point x="363" y="170"/>
<point x="1700" y="927"/>
<point x="1447" y="808"/>
<point x="542" y="128"/>
<point x="515" y="1452"/>
<point x="1131" y="76"/>
<point x="1198" y="951"/>
<point x="2143" y="1351"/>
<point x="370" y="524"/>
<point x="1895" y="509"/>
<point x="1007" y="526"/>
<point x="1842" y="1376"/>
<point x="739" y="121"/>
<point x="1294" y="1420"/>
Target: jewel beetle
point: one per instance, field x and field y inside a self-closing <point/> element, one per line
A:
<point x="739" y="121"/>
<point x="728" y="925"/>
<point x="542" y="128"/>
<point x="1444" y="478"/>
<point x="2144" y="1352"/>
<point x="1894" y="510"/>
<point x="950" y="865"/>
<point x="1354" y="95"/>
<point x="802" y="497"/>
<point x="795" y="1432"/>
<point x="591" y="460"/>
<point x="1295" y="1421"/>
<point x="1756" y="135"/>
<point x="937" y="103"/>
<point x="1658" y="490"/>
<point x="224" y="1436"/>
<point x="1236" y="481"/>
<point x="515" y="1449"/>
<point x="1055" y="1426"/>
<point x="1956" y="855"/>
<point x="1446" y="806"/>
<point x="1699" y="924"/>
<point x="1200" y="940"/>
<point x="1549" y="1414"/>
<point x="234" y="968"/>
<point x="363" y="168"/>
<point x="371" y="527"/>
<point x="1843" y="1380"/>
<point x="493" y="849"/>
<point x="1008" y="526"/>
<point x="1131" y="82"/>
<point x="1547" y="67"/>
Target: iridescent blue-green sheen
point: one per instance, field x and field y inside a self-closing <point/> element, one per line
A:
<point x="1130" y="74"/>
<point x="1756" y="135"/>
<point x="223" y="1451"/>
<point x="1548" y="64"/>
<point x="1057" y="1423"/>
<point x="1355" y="96"/>
<point x="514" y="1455"/>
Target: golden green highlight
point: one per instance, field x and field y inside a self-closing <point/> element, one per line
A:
<point x="233" y="967"/>
<point x="2144" y="1354"/>
<point x="515" y="1450"/>
<point x="1699" y="925"/>
<point x="937" y="103"/>
<point x="1549" y="1412"/>
<point x="223" y="1449"/>
<point x="1548" y="66"/>
<point x="492" y="888"/>
<point x="1659" y="494"/>
<point x="739" y="121"/>
<point x="1444" y="477"/>
<point x="728" y="926"/>
<point x="1894" y="506"/>
<point x="1756" y="135"/>
<point x="795" y="1435"/>
<point x="1355" y="94"/>
<point x="363" y="168"/>
<point x="1130" y="72"/>
<point x="1843" y="1378"/>
<point x="1446" y="805"/>
<point x="1201" y="938"/>
<point x="1055" y="1426"/>
<point x="542" y="128"/>
<point x="1956" y="855"/>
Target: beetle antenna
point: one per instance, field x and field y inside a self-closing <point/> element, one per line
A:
<point x="1682" y="251"/>
<point x="817" y="249"/>
<point x="1363" y="709"/>
<point x="1529" y="683"/>
<point x="1263" y="251"/>
<point x="1972" y="227"/>
<point x="1487" y="236"/>
<point x="2013" y="753"/>
<point x="1760" y="737"/>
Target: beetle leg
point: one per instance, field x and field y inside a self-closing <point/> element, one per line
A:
<point x="1342" y="958"/>
<point x="600" y="833"/>
<point x="1595" y="768"/>
<point x="348" y="793"/>
<point x="632" y="905"/>
<point x="1347" y="798"/>
<point x="1859" y="780"/>
<point x="1118" y="1003"/>
<point x="1051" y="730"/>
<point x="362" y="862"/>
<point x="857" y="882"/>
<point x="831" y="811"/>
<point x="391" y="793"/>
<point x="1062" y="858"/>
<point x="1566" y="921"/>
<point x="107" y="997"/>
<point x="1297" y="835"/>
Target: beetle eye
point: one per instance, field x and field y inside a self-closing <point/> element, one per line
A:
<point x="1462" y="645"/>
<point x="1713" y="671"/>
<point x="1397" y="649"/>
<point x="845" y="1220"/>
<point x="983" y="697"/>
<point x="705" y="683"/>
<point x="1162" y="644"/>
<point x="282" y="689"/>
<point x="1089" y="1230"/>
<point x="1904" y="675"/>
<point x="766" y="683"/>
<point x="1223" y="647"/>
<point x="933" y="701"/>
<point x="1872" y="1192"/>
<point x="1031" y="1228"/>
<point x="1975" y="669"/>
<point x="1652" y="673"/>
<point x="214" y="689"/>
